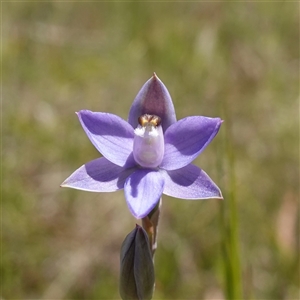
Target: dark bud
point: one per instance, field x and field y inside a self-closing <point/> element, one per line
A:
<point x="137" y="277"/>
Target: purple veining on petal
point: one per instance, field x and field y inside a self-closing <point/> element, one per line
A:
<point x="110" y="134"/>
<point x="153" y="99"/>
<point x="99" y="175"/>
<point x="186" y="139"/>
<point x="190" y="182"/>
<point x="143" y="190"/>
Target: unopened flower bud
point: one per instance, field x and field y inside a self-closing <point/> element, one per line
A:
<point x="137" y="270"/>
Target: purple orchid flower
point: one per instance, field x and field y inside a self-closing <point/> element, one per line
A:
<point x="149" y="155"/>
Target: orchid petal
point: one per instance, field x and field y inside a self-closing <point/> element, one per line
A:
<point x="143" y="190"/>
<point x="110" y="134"/>
<point x="190" y="182"/>
<point x="99" y="175"/>
<point x="153" y="99"/>
<point x="186" y="139"/>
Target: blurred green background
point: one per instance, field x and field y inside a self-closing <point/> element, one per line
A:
<point x="239" y="61"/>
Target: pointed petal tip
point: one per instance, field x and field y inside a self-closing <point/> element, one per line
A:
<point x="64" y="184"/>
<point x="219" y="196"/>
<point x="79" y="113"/>
<point x="67" y="184"/>
<point x="220" y="121"/>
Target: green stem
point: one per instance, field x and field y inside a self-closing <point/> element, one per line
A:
<point x="229" y="225"/>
